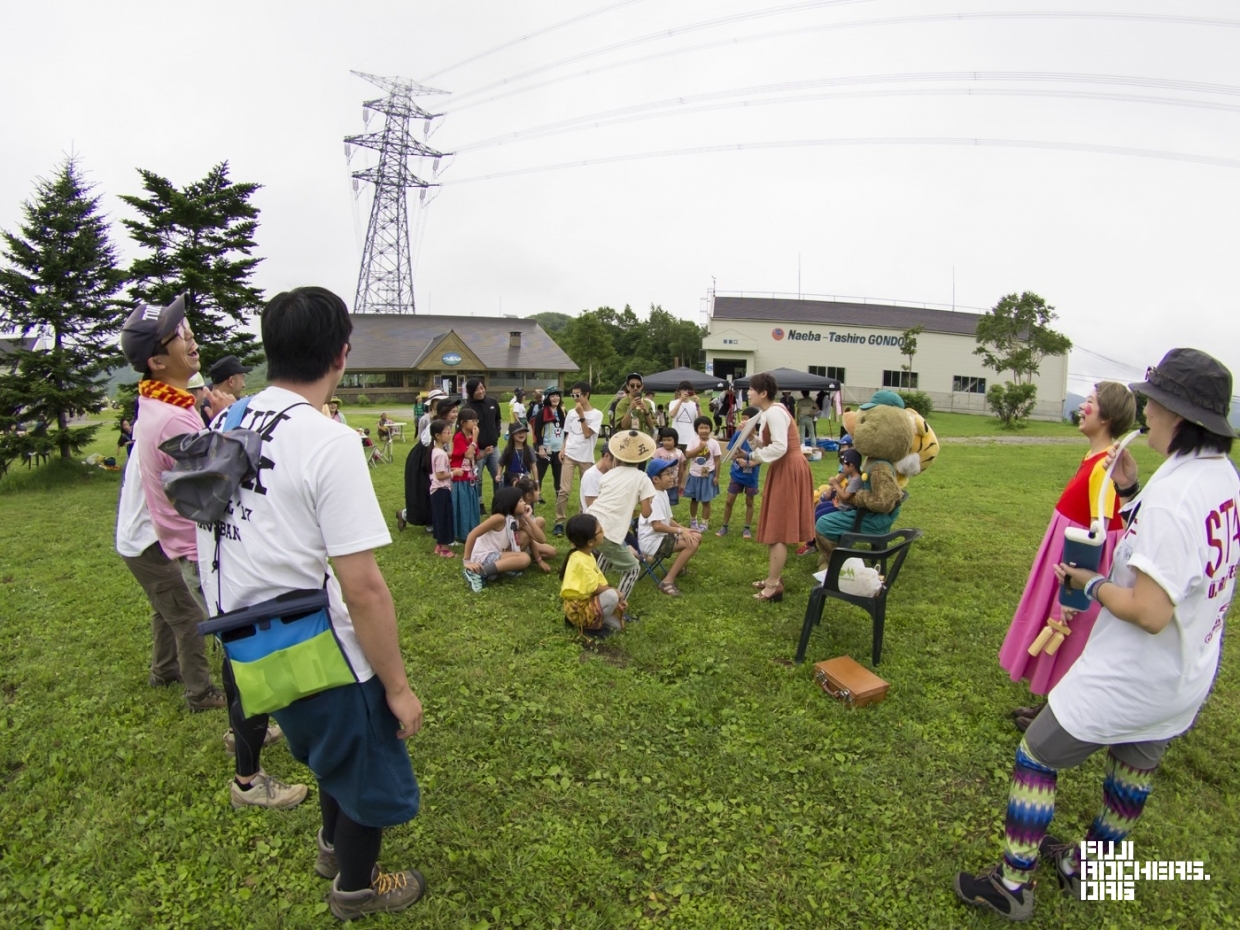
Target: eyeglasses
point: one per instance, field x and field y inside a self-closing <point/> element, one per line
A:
<point x="182" y="332"/>
<point x="575" y="396"/>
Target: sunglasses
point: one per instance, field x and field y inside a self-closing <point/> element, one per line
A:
<point x="182" y="332"/>
<point x="575" y="396"/>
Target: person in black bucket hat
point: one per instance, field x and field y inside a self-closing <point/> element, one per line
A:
<point x="1154" y="650"/>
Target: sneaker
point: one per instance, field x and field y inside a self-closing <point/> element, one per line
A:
<point x="400" y="520"/>
<point x="1056" y="852"/>
<point x="390" y="891"/>
<point x="559" y="530"/>
<point x="273" y="734"/>
<point x="211" y="699"/>
<point x="745" y="534"/>
<point x="325" y="865"/>
<point x="444" y="552"/>
<point x="268" y="792"/>
<point x="805" y="548"/>
<point x="988" y="891"/>
<point x="723" y="530"/>
<point x="474" y="579"/>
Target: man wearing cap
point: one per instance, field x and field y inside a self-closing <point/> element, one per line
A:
<point x="227" y="375"/>
<point x="198" y="388"/>
<point x="631" y="409"/>
<point x="159" y="343"/>
<point x="1153" y="653"/>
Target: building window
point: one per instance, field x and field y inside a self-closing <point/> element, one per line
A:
<point x="900" y="379"/>
<point x="966" y="384"/>
<point x="372" y="379"/>
<point x="827" y="371"/>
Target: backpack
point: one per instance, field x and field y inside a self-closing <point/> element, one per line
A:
<point x="210" y="466"/>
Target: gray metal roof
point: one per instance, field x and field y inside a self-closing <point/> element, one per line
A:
<point x="393" y="341"/>
<point x="788" y="310"/>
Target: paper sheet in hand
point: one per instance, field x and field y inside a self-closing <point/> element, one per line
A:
<point x="750" y="427"/>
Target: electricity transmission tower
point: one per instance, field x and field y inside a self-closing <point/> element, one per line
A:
<point x="385" y="281"/>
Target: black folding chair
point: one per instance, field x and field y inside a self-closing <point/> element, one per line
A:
<point x="887" y="553"/>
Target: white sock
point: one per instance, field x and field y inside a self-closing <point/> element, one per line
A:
<point x="1011" y="886"/>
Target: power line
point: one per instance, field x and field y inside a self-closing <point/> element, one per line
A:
<point x="931" y="19"/>
<point x="1089" y="148"/>
<point x="661" y="34"/>
<point x="530" y="35"/>
<point x="684" y="104"/>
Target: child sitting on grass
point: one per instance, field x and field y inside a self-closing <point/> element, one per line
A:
<point x="532" y="535"/>
<point x="702" y="482"/>
<point x="591" y="605"/>
<point x="659" y="535"/>
<point x="743" y="479"/>
<point x="492" y="545"/>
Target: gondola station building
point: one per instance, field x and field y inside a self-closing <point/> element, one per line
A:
<point x="861" y="345"/>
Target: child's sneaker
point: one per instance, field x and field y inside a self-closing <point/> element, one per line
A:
<point x="444" y="552"/>
<point x="390" y="891"/>
<point x="723" y="530"/>
<point x="745" y="534"/>
<point x="474" y="579"/>
<point x="805" y="549"/>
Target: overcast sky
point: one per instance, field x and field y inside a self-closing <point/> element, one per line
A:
<point x="872" y="197"/>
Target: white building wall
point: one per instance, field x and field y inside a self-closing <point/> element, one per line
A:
<point x="865" y="352"/>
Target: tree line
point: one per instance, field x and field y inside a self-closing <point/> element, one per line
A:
<point x="607" y="344"/>
<point x="64" y="292"/>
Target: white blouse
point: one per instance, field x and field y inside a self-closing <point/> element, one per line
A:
<point x="776" y="419"/>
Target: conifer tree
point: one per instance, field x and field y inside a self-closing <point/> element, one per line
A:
<point x="58" y="281"/>
<point x="199" y="240"/>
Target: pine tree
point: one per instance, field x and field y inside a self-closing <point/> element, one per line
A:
<point x="57" y="284"/>
<point x="200" y="241"/>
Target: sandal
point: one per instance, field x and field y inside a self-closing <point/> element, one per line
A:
<point x="762" y="584"/>
<point x="669" y="589"/>
<point x="776" y="595"/>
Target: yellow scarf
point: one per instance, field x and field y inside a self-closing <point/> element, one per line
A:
<point x="157" y="390"/>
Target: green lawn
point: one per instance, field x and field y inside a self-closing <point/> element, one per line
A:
<point x="684" y="773"/>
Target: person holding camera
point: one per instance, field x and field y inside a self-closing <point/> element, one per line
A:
<point x="682" y="413"/>
<point x="632" y="411"/>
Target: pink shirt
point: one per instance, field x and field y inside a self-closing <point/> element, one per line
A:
<point x="158" y="421"/>
<point x="440" y="462"/>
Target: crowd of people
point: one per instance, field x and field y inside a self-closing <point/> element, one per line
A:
<point x="1131" y="676"/>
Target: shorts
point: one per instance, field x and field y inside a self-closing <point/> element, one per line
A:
<point x="1056" y="748"/>
<point x="618" y="555"/>
<point x="347" y="736"/>
<point x="736" y="488"/>
<point x="667" y="545"/>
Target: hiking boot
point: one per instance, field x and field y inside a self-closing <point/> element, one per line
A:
<point x="268" y="792"/>
<point x="156" y="681"/>
<point x="274" y="734"/>
<point x="211" y="699"/>
<point x="326" y="865"/>
<point x="988" y="891"/>
<point x="389" y="892"/>
<point x="1056" y="852"/>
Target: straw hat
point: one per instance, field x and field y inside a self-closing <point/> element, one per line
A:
<point x="632" y="445"/>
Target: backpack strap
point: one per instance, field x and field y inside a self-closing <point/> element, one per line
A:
<point x="232" y="419"/>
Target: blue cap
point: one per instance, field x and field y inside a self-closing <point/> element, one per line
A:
<point x="657" y="466"/>
<point x="846" y="438"/>
<point x="885" y="399"/>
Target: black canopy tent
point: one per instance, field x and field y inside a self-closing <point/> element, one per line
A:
<point x="668" y="380"/>
<point x="789" y="379"/>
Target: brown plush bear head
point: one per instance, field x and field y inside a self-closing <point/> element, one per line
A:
<point x="883" y="432"/>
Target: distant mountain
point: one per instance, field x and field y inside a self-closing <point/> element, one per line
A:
<point x="1070" y="403"/>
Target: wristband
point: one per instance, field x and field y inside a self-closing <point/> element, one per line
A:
<point x="1130" y="490"/>
<point x="1091" y="589"/>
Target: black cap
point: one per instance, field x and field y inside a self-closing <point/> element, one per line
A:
<point x="1194" y="385"/>
<point x="514" y="428"/>
<point x="851" y="457"/>
<point x="147" y="329"/>
<point x="226" y="367"/>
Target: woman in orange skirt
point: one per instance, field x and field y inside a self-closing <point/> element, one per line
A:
<point x="787" y="514"/>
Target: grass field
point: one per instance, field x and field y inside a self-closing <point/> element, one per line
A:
<point x="682" y="774"/>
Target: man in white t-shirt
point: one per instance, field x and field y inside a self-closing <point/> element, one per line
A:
<point x="593" y="478"/>
<point x="581" y="426"/>
<point x="623" y="489"/>
<point x="311" y="501"/>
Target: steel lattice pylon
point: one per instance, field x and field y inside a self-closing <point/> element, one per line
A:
<point x="385" y="281"/>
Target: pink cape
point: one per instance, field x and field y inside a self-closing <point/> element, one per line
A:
<point x="1041" y="600"/>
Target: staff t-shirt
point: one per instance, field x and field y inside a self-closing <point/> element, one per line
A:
<point x="682" y="423"/>
<point x="1129" y="685"/>
<point x="577" y="445"/>
<point x="311" y="500"/>
<point x="621" y="490"/>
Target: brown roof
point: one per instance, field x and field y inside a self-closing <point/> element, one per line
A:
<point x="392" y="341"/>
<point x="848" y="314"/>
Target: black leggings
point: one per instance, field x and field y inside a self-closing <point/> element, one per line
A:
<point x="357" y="846"/>
<point x="249" y="732"/>
<point x="556" y="467"/>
